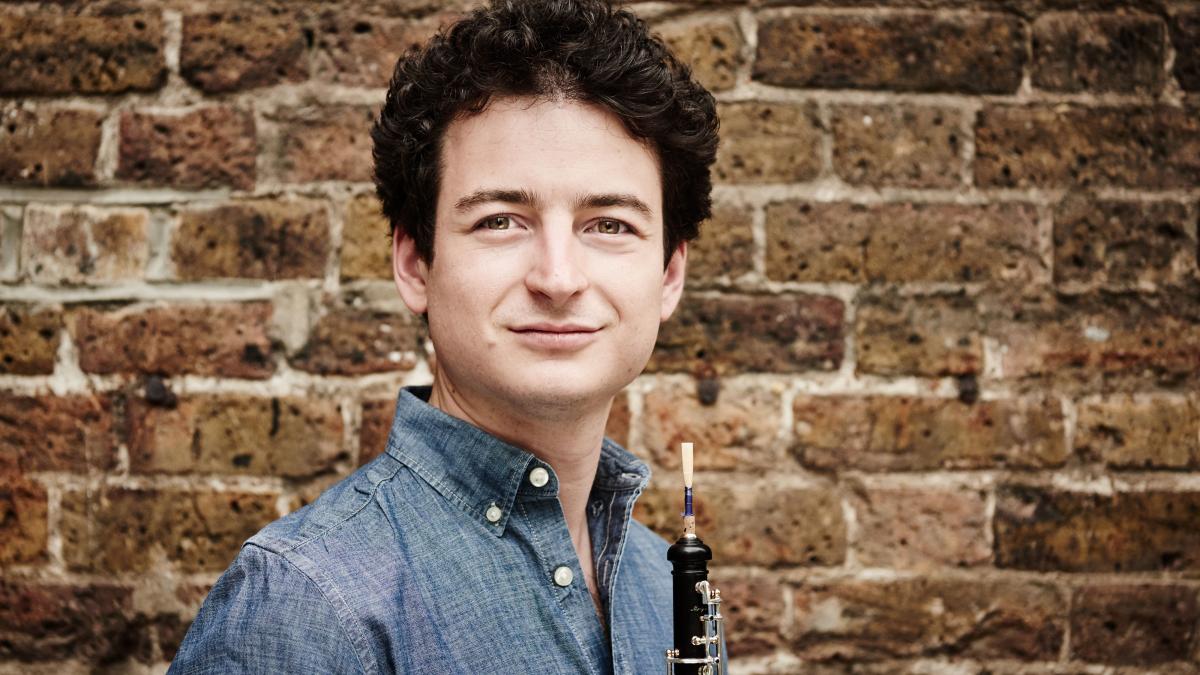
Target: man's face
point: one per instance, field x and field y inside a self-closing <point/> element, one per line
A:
<point x="547" y="286"/>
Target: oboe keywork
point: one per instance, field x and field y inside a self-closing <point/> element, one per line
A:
<point x="699" y="628"/>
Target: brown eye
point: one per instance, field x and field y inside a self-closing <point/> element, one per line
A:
<point x="609" y="226"/>
<point x="497" y="223"/>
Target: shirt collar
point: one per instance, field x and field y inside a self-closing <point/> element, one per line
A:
<point x="477" y="471"/>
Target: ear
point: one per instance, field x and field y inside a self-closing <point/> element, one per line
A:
<point x="409" y="272"/>
<point x="673" y="278"/>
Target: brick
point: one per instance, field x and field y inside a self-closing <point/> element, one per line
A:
<point x="376" y="426"/>
<point x="29" y="338"/>
<point x="921" y="528"/>
<point x="1075" y="52"/>
<point x="767" y="524"/>
<point x="126" y="531"/>
<point x="205" y="148"/>
<point x="48" y="147"/>
<point x="47" y="54"/>
<point x="57" y="433"/>
<point x="768" y="143"/>
<point x="1124" y="245"/>
<point x="711" y="46"/>
<point x="1185" y="35"/>
<point x="1133" y="625"/>
<point x="617" y="426"/>
<point x="46" y="621"/>
<point x="742" y="333"/>
<point x="226" y="340"/>
<point x="360" y="50"/>
<point x="902" y="242"/>
<point x="84" y="245"/>
<point x="288" y="437"/>
<point x="753" y="610"/>
<point x="1066" y="145"/>
<point x="325" y="143"/>
<point x="725" y="249"/>
<point x="1126" y="432"/>
<point x="259" y="239"/>
<point x="897" y="433"/>
<point x="739" y="431"/>
<point x="900" y="146"/>
<point x="23" y="522"/>
<point x="366" y="240"/>
<point x="914" y="51"/>
<point x="356" y="342"/>
<point x="928" y="616"/>
<point x="231" y="51"/>
<point x="932" y="335"/>
<point x="1045" y="530"/>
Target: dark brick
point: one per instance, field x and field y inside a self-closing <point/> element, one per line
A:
<point x="261" y="239"/>
<point x="768" y="143"/>
<point x="49" y="53"/>
<point x="356" y="342"/>
<point x="931" y="335"/>
<point x="208" y="147"/>
<point x="48" y="147"/>
<point x="902" y="146"/>
<point x="1145" y="433"/>
<point x="57" y="433"/>
<point x="1185" y="37"/>
<point x="1045" y="530"/>
<point x="737" y="431"/>
<point x="1133" y="625"/>
<point x="23" y="524"/>
<point x="46" y="621"/>
<point x="360" y="50"/>
<point x="1098" y="52"/>
<point x="29" y="338"/>
<point x="711" y="46"/>
<point x="725" y="249"/>
<point x="920" y="528"/>
<point x="980" y="53"/>
<point x="325" y="143"/>
<point x="229" y="51"/>
<point x="742" y="333"/>
<point x="376" y="425"/>
<point x="617" y="426"/>
<point x="753" y="610"/>
<point x="366" y="244"/>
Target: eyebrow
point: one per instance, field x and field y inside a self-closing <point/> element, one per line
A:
<point x="527" y="198"/>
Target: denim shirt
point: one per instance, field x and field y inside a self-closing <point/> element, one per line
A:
<point x="442" y="556"/>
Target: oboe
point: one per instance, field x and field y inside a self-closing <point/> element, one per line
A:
<point x="699" y="627"/>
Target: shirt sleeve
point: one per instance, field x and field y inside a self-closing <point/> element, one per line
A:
<point x="265" y="616"/>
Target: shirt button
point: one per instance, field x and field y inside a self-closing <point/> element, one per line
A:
<point x="493" y="514"/>
<point x="539" y="476"/>
<point x="563" y="576"/>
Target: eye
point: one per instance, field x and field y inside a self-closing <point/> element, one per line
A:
<point x="495" y="223"/>
<point x="608" y="226"/>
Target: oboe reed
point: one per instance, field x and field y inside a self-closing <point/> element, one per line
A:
<point x="689" y="519"/>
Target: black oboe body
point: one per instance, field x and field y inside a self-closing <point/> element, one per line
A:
<point x="689" y="561"/>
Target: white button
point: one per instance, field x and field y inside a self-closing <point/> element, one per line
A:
<point x="493" y="514"/>
<point x="539" y="476"/>
<point x="563" y="576"/>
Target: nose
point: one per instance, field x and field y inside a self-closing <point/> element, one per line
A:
<point x="556" y="272"/>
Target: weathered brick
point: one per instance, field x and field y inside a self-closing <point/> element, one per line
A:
<point x="228" y="340"/>
<point x="29" y="338"/>
<point x="768" y="143"/>
<point x="125" y="531"/>
<point x="902" y="242"/>
<point x="711" y="46"/>
<point x="738" y="431"/>
<point x="228" y="51"/>
<point x="208" y="147"/>
<point x="376" y="425"/>
<point x="1120" y="245"/>
<point x="1128" y="432"/>
<point x="1152" y="147"/>
<point x="50" y="53"/>
<point x="725" y="248"/>
<point x="896" y="433"/>
<point x="1098" y="52"/>
<point x="46" y="621"/>
<point x="325" y="143"/>
<point x="1136" y="625"/>
<point x="1041" y="529"/>
<point x="867" y="620"/>
<point x="57" y="433"/>
<point x="366" y="242"/>
<point x="739" y="333"/>
<point x="931" y="335"/>
<point x="260" y="239"/>
<point x="1185" y="35"/>
<point x="355" y="342"/>
<point x="81" y="245"/>
<point x="617" y="426"/>
<point x="902" y="146"/>
<point x="23" y="524"/>
<point x="767" y="524"/>
<point x="916" y="51"/>
<point x="48" y="147"/>
<point x="289" y="437"/>
<point x="753" y="610"/>
<point x="360" y="50"/>
<point x="921" y="528"/>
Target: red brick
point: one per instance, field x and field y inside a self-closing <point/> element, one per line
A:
<point x="1098" y="52"/>
<point x="57" y="433"/>
<point x="229" y="340"/>
<point x="233" y="50"/>
<point x="45" y="621"/>
<point x="742" y="333"/>
<point x="895" y="433"/>
<point x="360" y="50"/>
<point x="50" y="53"/>
<point x="931" y="335"/>
<point x="366" y="240"/>
<point x="711" y="46"/>
<point x="914" y="51"/>
<point x="289" y="437"/>
<point x="902" y="146"/>
<point x="356" y="342"/>
<point x="325" y="143"/>
<point x="1128" y="432"/>
<point x="260" y="239"/>
<point x="753" y="610"/>
<point x="768" y="143"/>
<point x="739" y="431"/>
<point x="48" y="147"/>
<point x="924" y="616"/>
<point x="205" y="148"/>
<point x="1045" y="530"/>
<point x="1134" y="625"/>
<point x="376" y="426"/>
<point x="124" y="531"/>
<point x="1185" y="35"/>
<point x="29" y="338"/>
<point x="921" y="528"/>
<point x="23" y="524"/>
<point x="84" y="245"/>
<point x="1065" y="145"/>
<point x="725" y="249"/>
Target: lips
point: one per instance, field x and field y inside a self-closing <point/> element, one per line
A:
<point x="556" y="337"/>
<point x="555" y="328"/>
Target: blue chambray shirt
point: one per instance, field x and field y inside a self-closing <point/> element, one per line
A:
<point x="398" y="568"/>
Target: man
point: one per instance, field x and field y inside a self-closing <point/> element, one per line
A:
<point x="543" y="164"/>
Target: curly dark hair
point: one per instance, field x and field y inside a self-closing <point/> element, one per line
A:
<point x="582" y="50"/>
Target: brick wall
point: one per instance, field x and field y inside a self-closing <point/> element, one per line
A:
<point x="940" y="354"/>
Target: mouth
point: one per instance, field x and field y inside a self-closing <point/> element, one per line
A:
<point x="556" y="329"/>
<point x="556" y="337"/>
